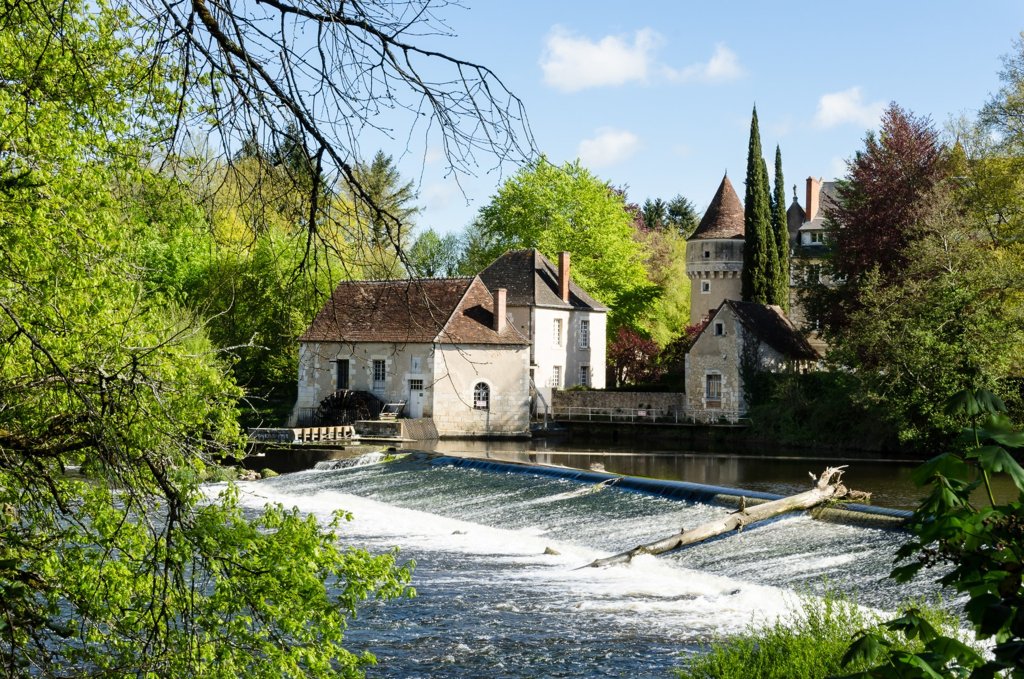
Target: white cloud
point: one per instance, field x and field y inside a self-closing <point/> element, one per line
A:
<point x="572" y="63"/>
<point x="848" y="106"/>
<point x="609" y="147"/>
<point x="722" y="66"/>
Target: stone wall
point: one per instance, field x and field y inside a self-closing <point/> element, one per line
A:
<point x="663" y="402"/>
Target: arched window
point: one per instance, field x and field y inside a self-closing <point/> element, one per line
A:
<point x="482" y="396"/>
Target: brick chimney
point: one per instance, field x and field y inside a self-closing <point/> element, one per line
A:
<point x="500" y="312"/>
<point x="563" y="276"/>
<point x="813" y="196"/>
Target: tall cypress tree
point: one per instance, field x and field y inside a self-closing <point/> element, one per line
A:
<point x="756" y="283"/>
<point x="781" y="229"/>
<point x="771" y="252"/>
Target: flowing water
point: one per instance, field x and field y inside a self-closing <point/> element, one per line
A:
<point x="495" y="602"/>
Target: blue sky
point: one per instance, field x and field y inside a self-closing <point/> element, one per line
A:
<point x="658" y="98"/>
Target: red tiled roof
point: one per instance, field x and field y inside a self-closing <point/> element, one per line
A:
<point x="444" y="310"/>
<point x="724" y="217"/>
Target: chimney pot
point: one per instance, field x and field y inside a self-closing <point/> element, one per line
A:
<point x="500" y="312"/>
<point x="563" y="276"/>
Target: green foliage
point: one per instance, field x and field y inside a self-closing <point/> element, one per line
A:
<point x="815" y="409"/>
<point x="980" y="548"/>
<point x="760" y="256"/>
<point x="665" y="318"/>
<point x="780" y="227"/>
<point x="378" y="219"/>
<point x="106" y="366"/>
<point x="554" y="208"/>
<point x="433" y="256"/>
<point x="954" y="322"/>
<point x="809" y="645"/>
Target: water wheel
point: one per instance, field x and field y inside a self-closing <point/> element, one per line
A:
<point x="346" y="406"/>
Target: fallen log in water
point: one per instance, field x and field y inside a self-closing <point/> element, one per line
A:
<point x="828" y="487"/>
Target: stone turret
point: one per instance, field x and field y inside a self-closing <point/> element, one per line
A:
<point x="714" y="254"/>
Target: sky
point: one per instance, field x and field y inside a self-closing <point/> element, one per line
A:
<point x="656" y="97"/>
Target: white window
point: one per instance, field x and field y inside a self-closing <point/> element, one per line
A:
<point x="481" y="396"/>
<point x="584" y="375"/>
<point x="558" y="332"/>
<point x="584" y="334"/>
<point x="556" y="377"/>
<point x="713" y="390"/>
<point x="379" y="374"/>
<point x="705" y="287"/>
<point x="719" y="328"/>
<point x="817" y="237"/>
<point x="415" y="385"/>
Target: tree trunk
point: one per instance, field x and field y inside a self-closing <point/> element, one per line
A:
<point x="828" y="487"/>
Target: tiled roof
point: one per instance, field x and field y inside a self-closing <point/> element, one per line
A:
<point x="770" y="325"/>
<point x="724" y="217"/>
<point x="532" y="280"/>
<point x="444" y="310"/>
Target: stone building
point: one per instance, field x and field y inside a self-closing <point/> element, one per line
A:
<point x="741" y="338"/>
<point x="714" y="254"/>
<point x="444" y="347"/>
<point x="565" y="325"/>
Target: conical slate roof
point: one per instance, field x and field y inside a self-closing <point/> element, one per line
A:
<point x="724" y="218"/>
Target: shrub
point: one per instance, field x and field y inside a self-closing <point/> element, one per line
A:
<point x="808" y="645"/>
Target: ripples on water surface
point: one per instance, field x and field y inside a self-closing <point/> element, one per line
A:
<point x="492" y="604"/>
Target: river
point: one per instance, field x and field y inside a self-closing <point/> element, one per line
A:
<point x="492" y="603"/>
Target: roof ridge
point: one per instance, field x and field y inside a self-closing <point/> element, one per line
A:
<point x="455" y="309"/>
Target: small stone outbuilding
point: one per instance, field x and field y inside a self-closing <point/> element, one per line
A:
<point x="740" y="338"/>
<point x="443" y="347"/>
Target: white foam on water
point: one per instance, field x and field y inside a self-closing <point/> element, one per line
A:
<point x="655" y="591"/>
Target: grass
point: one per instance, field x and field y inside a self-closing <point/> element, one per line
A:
<point x="808" y="645"/>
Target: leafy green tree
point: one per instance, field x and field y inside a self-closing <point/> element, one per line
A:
<point x="758" y="275"/>
<point x="954" y="322"/>
<point x="780" y="228"/>
<point x="435" y="256"/>
<point x="667" y="317"/>
<point x="128" y="567"/>
<point x="554" y="208"/>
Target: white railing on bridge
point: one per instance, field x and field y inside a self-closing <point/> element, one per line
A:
<point x="302" y="434"/>
<point x="647" y="415"/>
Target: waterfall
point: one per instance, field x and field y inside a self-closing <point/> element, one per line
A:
<point x="496" y="551"/>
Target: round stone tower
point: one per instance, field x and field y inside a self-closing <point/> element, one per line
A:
<point x="714" y="254"/>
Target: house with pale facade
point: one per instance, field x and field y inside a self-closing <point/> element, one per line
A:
<point x="442" y="347"/>
<point x="565" y="325"/>
<point x="740" y="339"/>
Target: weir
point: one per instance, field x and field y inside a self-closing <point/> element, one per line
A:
<point x="691" y="492"/>
<point x="496" y="546"/>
